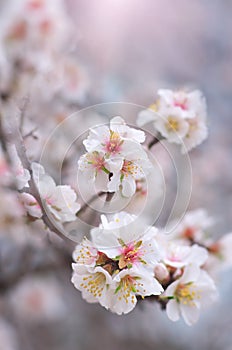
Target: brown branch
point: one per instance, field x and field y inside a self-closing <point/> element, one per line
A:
<point x="153" y="142"/>
<point x="92" y="199"/>
<point x="16" y="139"/>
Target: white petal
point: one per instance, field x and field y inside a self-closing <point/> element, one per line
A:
<point x="172" y="310"/>
<point x="128" y="186"/>
<point x="190" y="314"/>
<point x="191" y="273"/>
<point x="146" y="116"/>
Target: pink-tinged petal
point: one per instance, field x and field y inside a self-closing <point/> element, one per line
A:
<point x="31" y="205"/>
<point x="173" y="311"/>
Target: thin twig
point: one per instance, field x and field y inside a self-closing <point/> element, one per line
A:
<point x="31" y="133"/>
<point x="153" y="142"/>
<point x="92" y="199"/>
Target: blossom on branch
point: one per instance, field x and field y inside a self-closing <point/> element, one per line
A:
<point x="115" y="159"/>
<point x="117" y="266"/>
<point x="179" y="117"/>
<point x="192" y="291"/>
<point x="60" y="200"/>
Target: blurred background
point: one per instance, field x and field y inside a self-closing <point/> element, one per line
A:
<point x="129" y="49"/>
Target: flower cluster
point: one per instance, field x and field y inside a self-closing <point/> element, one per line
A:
<point x="117" y="267"/>
<point x="126" y="261"/>
<point x="179" y="117"/>
<point x="115" y="159"/>
<point x="35" y="57"/>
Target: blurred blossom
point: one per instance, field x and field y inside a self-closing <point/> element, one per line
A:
<point x="40" y="299"/>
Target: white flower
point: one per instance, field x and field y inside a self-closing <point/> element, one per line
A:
<point x="127" y="285"/>
<point x="115" y="158"/>
<point x="93" y="283"/>
<point x="118" y="125"/>
<point x="73" y="82"/>
<point x="110" y="140"/>
<point x="191" y="104"/>
<point x="40" y="299"/>
<point x="94" y="167"/>
<point x="192" y="291"/>
<point x="172" y="126"/>
<point x="31" y="205"/>
<point x="61" y="200"/>
<point x="135" y="166"/>
<point x="127" y="241"/>
<point x="32" y="27"/>
<point x="85" y="253"/>
<point x="179" y="116"/>
<point x="118" y="265"/>
<point x="179" y="256"/>
<point x="196" y="134"/>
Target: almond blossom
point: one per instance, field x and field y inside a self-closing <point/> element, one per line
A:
<point x="188" y="103"/>
<point x="124" y="239"/>
<point x="172" y="126"/>
<point x="178" y="256"/>
<point x="110" y="140"/>
<point x="116" y="273"/>
<point x="93" y="283"/>
<point x="31" y="205"/>
<point x="33" y="26"/>
<point x="136" y="166"/>
<point x="115" y="159"/>
<point x="179" y="117"/>
<point x="130" y="283"/>
<point x="86" y="253"/>
<point x="191" y="292"/>
<point x="60" y="200"/>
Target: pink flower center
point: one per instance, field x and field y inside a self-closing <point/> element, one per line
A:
<point x="18" y="31"/>
<point x="45" y="26"/>
<point x="113" y="145"/>
<point x="130" y="254"/>
<point x="35" y="4"/>
<point x="97" y="161"/>
<point x="49" y="201"/>
<point x="181" y="103"/>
